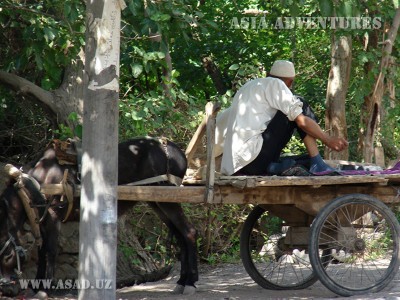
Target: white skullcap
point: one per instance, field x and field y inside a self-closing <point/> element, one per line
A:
<point x="283" y="68"/>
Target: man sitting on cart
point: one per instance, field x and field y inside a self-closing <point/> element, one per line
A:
<point x="263" y="116"/>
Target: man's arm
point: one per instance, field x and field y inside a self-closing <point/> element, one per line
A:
<point x="309" y="126"/>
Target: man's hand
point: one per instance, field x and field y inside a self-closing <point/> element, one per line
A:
<point x="336" y="143"/>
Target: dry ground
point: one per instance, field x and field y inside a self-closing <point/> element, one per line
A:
<point x="230" y="281"/>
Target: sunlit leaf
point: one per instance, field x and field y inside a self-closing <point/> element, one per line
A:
<point x="345" y="9"/>
<point x="137" y="69"/>
<point x="49" y="34"/>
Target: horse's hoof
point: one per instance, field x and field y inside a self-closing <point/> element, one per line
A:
<point x="41" y="295"/>
<point x="178" y="289"/>
<point x="189" y="290"/>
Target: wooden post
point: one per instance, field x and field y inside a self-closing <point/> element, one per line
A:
<point x="211" y="113"/>
<point x="98" y="210"/>
<point x="195" y="142"/>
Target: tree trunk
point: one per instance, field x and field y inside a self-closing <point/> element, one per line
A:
<point x="98" y="211"/>
<point x="338" y="83"/>
<point x="70" y="92"/>
<point x="167" y="70"/>
<point x="374" y="110"/>
<point x="371" y="43"/>
<point x="163" y="42"/>
<point x="391" y="149"/>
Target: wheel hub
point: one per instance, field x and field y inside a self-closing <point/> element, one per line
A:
<point x="359" y="245"/>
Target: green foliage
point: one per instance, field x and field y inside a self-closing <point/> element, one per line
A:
<point x="294" y="147"/>
<point x="218" y="226"/>
<point x="152" y="235"/>
<point x="45" y="36"/>
<point x="64" y="132"/>
<point x="143" y="71"/>
<point x="218" y="229"/>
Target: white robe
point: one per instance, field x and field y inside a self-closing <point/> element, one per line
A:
<point x="239" y="128"/>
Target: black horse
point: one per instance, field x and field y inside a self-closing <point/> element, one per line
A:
<point x="138" y="159"/>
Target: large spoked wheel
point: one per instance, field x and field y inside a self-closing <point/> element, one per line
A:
<point x="268" y="260"/>
<point x="360" y="234"/>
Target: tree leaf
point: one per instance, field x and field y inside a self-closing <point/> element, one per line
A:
<point x="135" y="7"/>
<point x="137" y="69"/>
<point x="135" y="116"/>
<point x="78" y="131"/>
<point x="73" y="116"/>
<point x="67" y="9"/>
<point x="294" y="9"/>
<point x="160" y="55"/>
<point x="326" y="8"/>
<point x="234" y="67"/>
<point x="49" y="34"/>
<point x="345" y="9"/>
<point x="159" y="17"/>
<point x="165" y="17"/>
<point x="175" y="73"/>
<point x="39" y="61"/>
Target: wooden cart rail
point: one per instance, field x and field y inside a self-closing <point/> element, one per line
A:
<point x="308" y="194"/>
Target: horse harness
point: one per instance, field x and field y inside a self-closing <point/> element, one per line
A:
<point x="11" y="242"/>
<point x="19" y="251"/>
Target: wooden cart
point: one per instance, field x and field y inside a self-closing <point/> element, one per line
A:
<point x="337" y="229"/>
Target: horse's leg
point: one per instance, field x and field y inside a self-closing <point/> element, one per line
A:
<point x="125" y="206"/>
<point x="47" y="253"/>
<point x="42" y="263"/>
<point x="53" y="227"/>
<point x="173" y="215"/>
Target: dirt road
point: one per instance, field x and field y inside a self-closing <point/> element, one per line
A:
<point x="231" y="282"/>
<point x="226" y="282"/>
